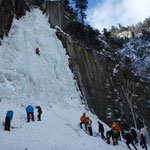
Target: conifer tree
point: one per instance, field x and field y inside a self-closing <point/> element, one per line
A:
<point x="81" y="6"/>
<point x="66" y="3"/>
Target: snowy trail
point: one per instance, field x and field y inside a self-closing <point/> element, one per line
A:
<point x="45" y="80"/>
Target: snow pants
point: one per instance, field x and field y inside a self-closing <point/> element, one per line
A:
<point x="90" y="130"/>
<point x="127" y="143"/>
<point x="115" y="139"/>
<point x="84" y="124"/>
<point x="144" y="145"/>
<point x="30" y="114"/>
<point x="39" y="116"/>
<point x="7" y="123"/>
<point x="37" y="53"/>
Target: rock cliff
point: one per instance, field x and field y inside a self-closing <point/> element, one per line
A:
<point x="9" y="9"/>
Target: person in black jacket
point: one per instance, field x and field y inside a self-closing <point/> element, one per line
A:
<point x="134" y="135"/>
<point x="101" y="129"/>
<point x="39" y="110"/>
<point x="143" y="142"/>
<point x="129" y="140"/>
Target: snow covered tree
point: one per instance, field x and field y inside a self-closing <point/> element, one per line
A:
<point x="81" y="6"/>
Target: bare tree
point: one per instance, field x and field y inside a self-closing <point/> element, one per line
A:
<point x="128" y="90"/>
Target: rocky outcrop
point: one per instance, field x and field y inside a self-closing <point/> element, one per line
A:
<point x="93" y="71"/>
<point x="9" y="9"/>
<point x="20" y="8"/>
<point x="6" y="17"/>
<point x="57" y="15"/>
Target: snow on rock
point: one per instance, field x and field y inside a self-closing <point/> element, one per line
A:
<point x="45" y="80"/>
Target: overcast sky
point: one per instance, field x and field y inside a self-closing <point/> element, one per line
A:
<point x="105" y="13"/>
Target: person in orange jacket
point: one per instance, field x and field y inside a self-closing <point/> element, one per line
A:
<point x="88" y="122"/>
<point x="37" y="51"/>
<point x="116" y="128"/>
<point x="83" y="119"/>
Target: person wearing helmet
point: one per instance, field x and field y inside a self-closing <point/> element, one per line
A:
<point x="101" y="129"/>
<point x="134" y="135"/>
<point x="129" y="140"/>
<point x="116" y="127"/>
<point x="109" y="134"/>
<point x="39" y="110"/>
<point x="88" y="122"/>
<point x="30" y="113"/>
<point x="115" y="137"/>
<point x="37" y="51"/>
<point x="8" y="118"/>
<point x="83" y="119"/>
<point x="143" y="142"/>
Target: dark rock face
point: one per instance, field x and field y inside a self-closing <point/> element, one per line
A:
<point x="20" y="8"/>
<point x="92" y="70"/>
<point x="57" y="15"/>
<point x="6" y="17"/>
<point x="9" y="9"/>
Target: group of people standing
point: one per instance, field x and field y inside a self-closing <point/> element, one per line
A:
<point x="30" y="115"/>
<point x="114" y="133"/>
<point x="88" y="125"/>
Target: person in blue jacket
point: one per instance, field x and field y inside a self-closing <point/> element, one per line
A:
<point x="8" y="118"/>
<point x="30" y="113"/>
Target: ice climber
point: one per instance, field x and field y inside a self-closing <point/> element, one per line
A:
<point x="8" y="118"/>
<point x="88" y="122"/>
<point x="37" y="51"/>
<point x="116" y="127"/>
<point x="101" y="129"/>
<point x="39" y="110"/>
<point x="143" y="142"/>
<point x="83" y="119"/>
<point x="134" y="135"/>
<point x="109" y="135"/>
<point x="112" y="133"/>
<point x="115" y="137"/>
<point x="129" y="140"/>
<point x="30" y="113"/>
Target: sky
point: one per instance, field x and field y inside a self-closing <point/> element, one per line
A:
<point x="107" y="13"/>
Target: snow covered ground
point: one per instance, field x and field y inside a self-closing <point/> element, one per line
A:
<point x="45" y="80"/>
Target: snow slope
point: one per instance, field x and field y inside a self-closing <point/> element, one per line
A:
<point x="45" y="80"/>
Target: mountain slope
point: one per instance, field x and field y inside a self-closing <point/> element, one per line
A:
<point x="45" y="80"/>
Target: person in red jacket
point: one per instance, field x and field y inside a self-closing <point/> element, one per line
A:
<point x="37" y="51"/>
<point x="116" y="127"/>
